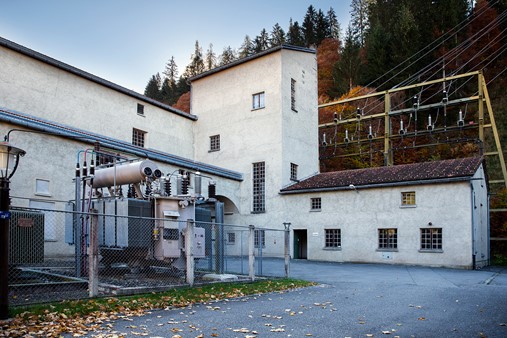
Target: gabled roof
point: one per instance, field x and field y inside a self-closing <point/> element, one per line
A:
<point x="403" y="174"/>
<point x="66" y="131"/>
<point x="252" y="57"/>
<point x="81" y="73"/>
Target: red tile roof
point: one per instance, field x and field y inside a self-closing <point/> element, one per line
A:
<point x="455" y="169"/>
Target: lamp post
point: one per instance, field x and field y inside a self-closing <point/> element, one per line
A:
<point x="9" y="159"/>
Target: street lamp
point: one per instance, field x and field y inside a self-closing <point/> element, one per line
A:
<point x="9" y="159"/>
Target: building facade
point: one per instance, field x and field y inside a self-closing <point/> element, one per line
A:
<point x="252" y="129"/>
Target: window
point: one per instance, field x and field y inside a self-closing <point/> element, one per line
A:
<point x="387" y="238"/>
<point x="231" y="237"/>
<point x="293" y="172"/>
<point x="258" y="181"/>
<point x="259" y="237"/>
<point x="258" y="101"/>
<point x="333" y="238"/>
<point x="316" y="204"/>
<point x="293" y="94"/>
<point x="140" y="109"/>
<point x="408" y="198"/>
<point x="214" y="143"/>
<point x="42" y="187"/>
<point x="138" y="137"/>
<point x="431" y="238"/>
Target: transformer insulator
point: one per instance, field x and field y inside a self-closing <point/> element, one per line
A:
<point x="167" y="187"/>
<point x="184" y="185"/>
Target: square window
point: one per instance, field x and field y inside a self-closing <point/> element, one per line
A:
<point x="258" y="100"/>
<point x="231" y="237"/>
<point x="333" y="238"/>
<point x="408" y="198"/>
<point x="214" y="143"/>
<point x="259" y="238"/>
<point x="387" y="238"/>
<point x="42" y="187"/>
<point x="316" y="204"/>
<point x="140" y="109"/>
<point x="431" y="239"/>
<point x="293" y="172"/>
<point x="138" y="137"/>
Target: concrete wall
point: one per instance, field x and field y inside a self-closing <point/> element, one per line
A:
<point x="38" y="89"/>
<point x="360" y="214"/>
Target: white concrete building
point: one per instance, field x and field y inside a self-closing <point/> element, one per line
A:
<point x="253" y="129"/>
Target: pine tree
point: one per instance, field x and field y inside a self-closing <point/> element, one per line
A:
<point x="228" y="56"/>
<point x="261" y="42"/>
<point x="277" y="36"/>
<point x="359" y="19"/>
<point x="347" y="70"/>
<point x="196" y="65"/>
<point x="171" y="71"/>
<point x="295" y="34"/>
<point x="152" y="89"/>
<point x="334" y="25"/>
<point x="309" y="27"/>
<point x="247" y="48"/>
<point x="211" y="58"/>
<point x="322" y="29"/>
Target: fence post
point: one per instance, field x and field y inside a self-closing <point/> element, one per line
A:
<point x="189" y="251"/>
<point x="286" y="248"/>
<point x="251" y="257"/>
<point x="93" y="261"/>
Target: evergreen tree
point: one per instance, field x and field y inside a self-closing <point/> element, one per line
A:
<point x="334" y="25"/>
<point x="295" y="34"/>
<point x="168" y="92"/>
<point x="359" y="19"/>
<point x="152" y="89"/>
<point x="211" y="58"/>
<point x="196" y="65"/>
<point x="228" y="56"/>
<point x="247" y="48"/>
<point x="309" y="27"/>
<point x="277" y="36"/>
<point x="261" y="42"/>
<point x="347" y="70"/>
<point x="171" y="71"/>
<point x="322" y="29"/>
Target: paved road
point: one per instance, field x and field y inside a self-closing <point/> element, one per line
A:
<point x="352" y="300"/>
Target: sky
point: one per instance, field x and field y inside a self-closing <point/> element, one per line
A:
<point x="128" y="41"/>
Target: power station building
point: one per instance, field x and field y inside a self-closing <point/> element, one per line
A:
<point x="252" y="130"/>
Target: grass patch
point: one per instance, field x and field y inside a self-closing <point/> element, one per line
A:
<point x="177" y="297"/>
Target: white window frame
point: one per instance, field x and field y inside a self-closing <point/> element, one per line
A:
<point x="315" y="204"/>
<point x="332" y="238"/>
<point x="258" y="101"/>
<point x="138" y="137"/>
<point x="42" y="187"/>
<point x="408" y="199"/>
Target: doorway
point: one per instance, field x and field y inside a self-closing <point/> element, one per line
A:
<point x="300" y="244"/>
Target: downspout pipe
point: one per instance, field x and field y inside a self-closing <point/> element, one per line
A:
<point x="472" y="202"/>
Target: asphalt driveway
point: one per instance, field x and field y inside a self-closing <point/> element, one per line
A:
<point x="352" y="300"/>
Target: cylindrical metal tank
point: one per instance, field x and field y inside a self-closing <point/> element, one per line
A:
<point x="125" y="174"/>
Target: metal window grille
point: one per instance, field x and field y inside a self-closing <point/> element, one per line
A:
<point x="293" y="172"/>
<point x="388" y="238"/>
<point x="140" y="109"/>
<point x="293" y="94"/>
<point x="214" y="143"/>
<point x="431" y="239"/>
<point x="259" y="191"/>
<point x="259" y="237"/>
<point x="316" y="203"/>
<point x="231" y="237"/>
<point x="138" y="137"/>
<point x="333" y="238"/>
<point x="258" y="100"/>
<point x="408" y="198"/>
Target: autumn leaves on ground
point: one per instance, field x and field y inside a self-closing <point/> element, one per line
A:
<point x="95" y="315"/>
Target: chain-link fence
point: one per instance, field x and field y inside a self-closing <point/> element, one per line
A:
<point x="62" y="254"/>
